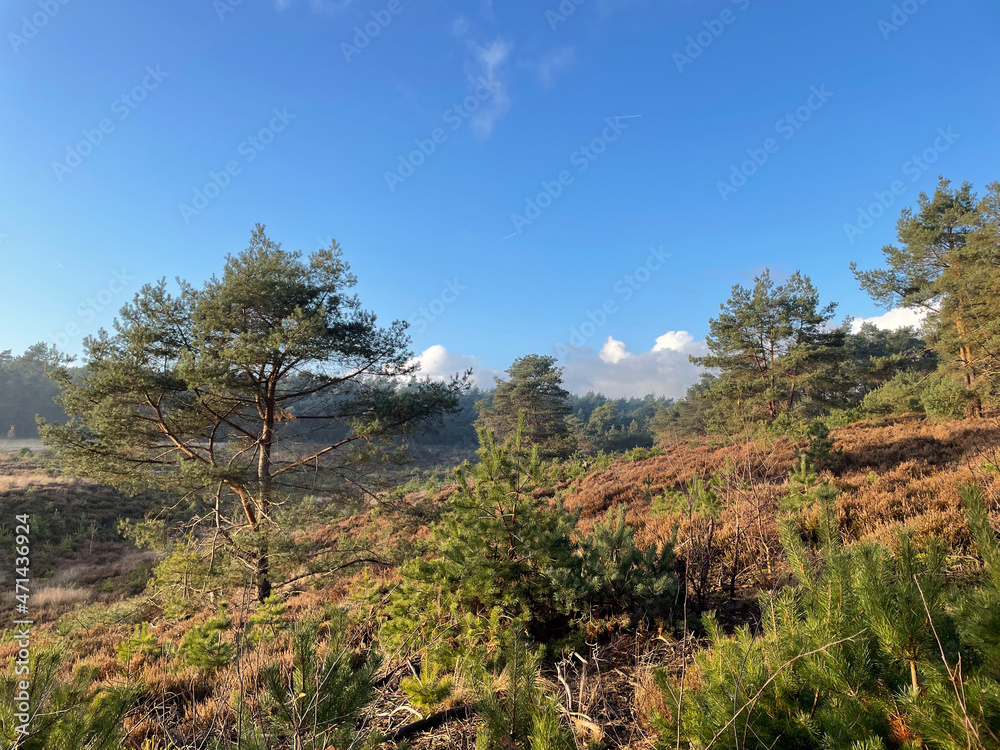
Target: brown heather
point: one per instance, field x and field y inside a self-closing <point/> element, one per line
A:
<point x="899" y="471"/>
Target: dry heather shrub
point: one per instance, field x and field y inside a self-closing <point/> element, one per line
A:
<point x="163" y="677"/>
<point x="107" y="667"/>
<point x="57" y="599"/>
<point x="207" y="717"/>
<point x="142" y="727"/>
<point x="909" y="472"/>
<point x="904" y="471"/>
<point x="649" y="699"/>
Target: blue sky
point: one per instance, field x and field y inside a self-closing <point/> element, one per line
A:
<point x="534" y="210"/>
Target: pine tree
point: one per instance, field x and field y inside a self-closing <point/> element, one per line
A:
<point x="204" y="645"/>
<point x="203" y="391"/>
<point x="316" y="700"/>
<point x="65" y="714"/>
<point x="507" y="558"/>
<point x="772" y="348"/>
<point x="534" y="387"/>
<point x="945" y="264"/>
<point x="514" y="712"/>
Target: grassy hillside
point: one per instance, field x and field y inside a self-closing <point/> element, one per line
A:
<point x="718" y="505"/>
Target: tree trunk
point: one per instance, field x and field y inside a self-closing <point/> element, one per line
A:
<point x="263" y="571"/>
<point x="266" y="491"/>
<point x="965" y="356"/>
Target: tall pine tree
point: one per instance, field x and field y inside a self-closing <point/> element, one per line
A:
<point x="534" y="386"/>
<point x="772" y="348"/>
<point x="221" y="392"/>
<point x="947" y="263"/>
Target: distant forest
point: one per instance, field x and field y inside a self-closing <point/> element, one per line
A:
<point x="775" y="360"/>
<point x="26" y="391"/>
<point x="598" y="423"/>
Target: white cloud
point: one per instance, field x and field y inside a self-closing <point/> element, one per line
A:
<point x="617" y="373"/>
<point x="614" y="371"/>
<point x="488" y="61"/>
<point x="613" y="351"/>
<point x="437" y="363"/>
<point x="900" y="317"/>
<point x="676" y="341"/>
<point x="553" y="65"/>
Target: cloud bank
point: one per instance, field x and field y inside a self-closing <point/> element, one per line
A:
<point x="664" y="370"/>
<point x="893" y="320"/>
<point x="437" y="363"/>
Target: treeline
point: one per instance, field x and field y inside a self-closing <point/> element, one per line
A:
<point x="563" y="422"/>
<point x="775" y="357"/>
<point x="594" y="422"/>
<point x="26" y="391"/>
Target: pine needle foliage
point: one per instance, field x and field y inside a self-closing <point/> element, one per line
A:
<point x="267" y="622"/>
<point x="428" y="687"/>
<point x="205" y="647"/>
<point x="513" y="708"/>
<point x="619" y="578"/>
<point x="509" y="559"/>
<point x="64" y="714"/>
<point x="142" y="641"/>
<point x="979" y="619"/>
<point x="315" y="702"/>
<point x="862" y="652"/>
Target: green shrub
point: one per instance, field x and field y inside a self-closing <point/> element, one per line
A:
<point x="864" y="647"/>
<point x="316" y="700"/>
<point x="820" y="452"/>
<point x="429" y="687"/>
<point x="267" y="621"/>
<point x="507" y="558"/>
<point x="65" y="714"/>
<point x="514" y="712"/>
<point x="786" y="425"/>
<point x="620" y="579"/>
<point x="140" y="642"/>
<point x="641" y="454"/>
<point x="898" y="395"/>
<point x="945" y="398"/>
<point x="203" y="645"/>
